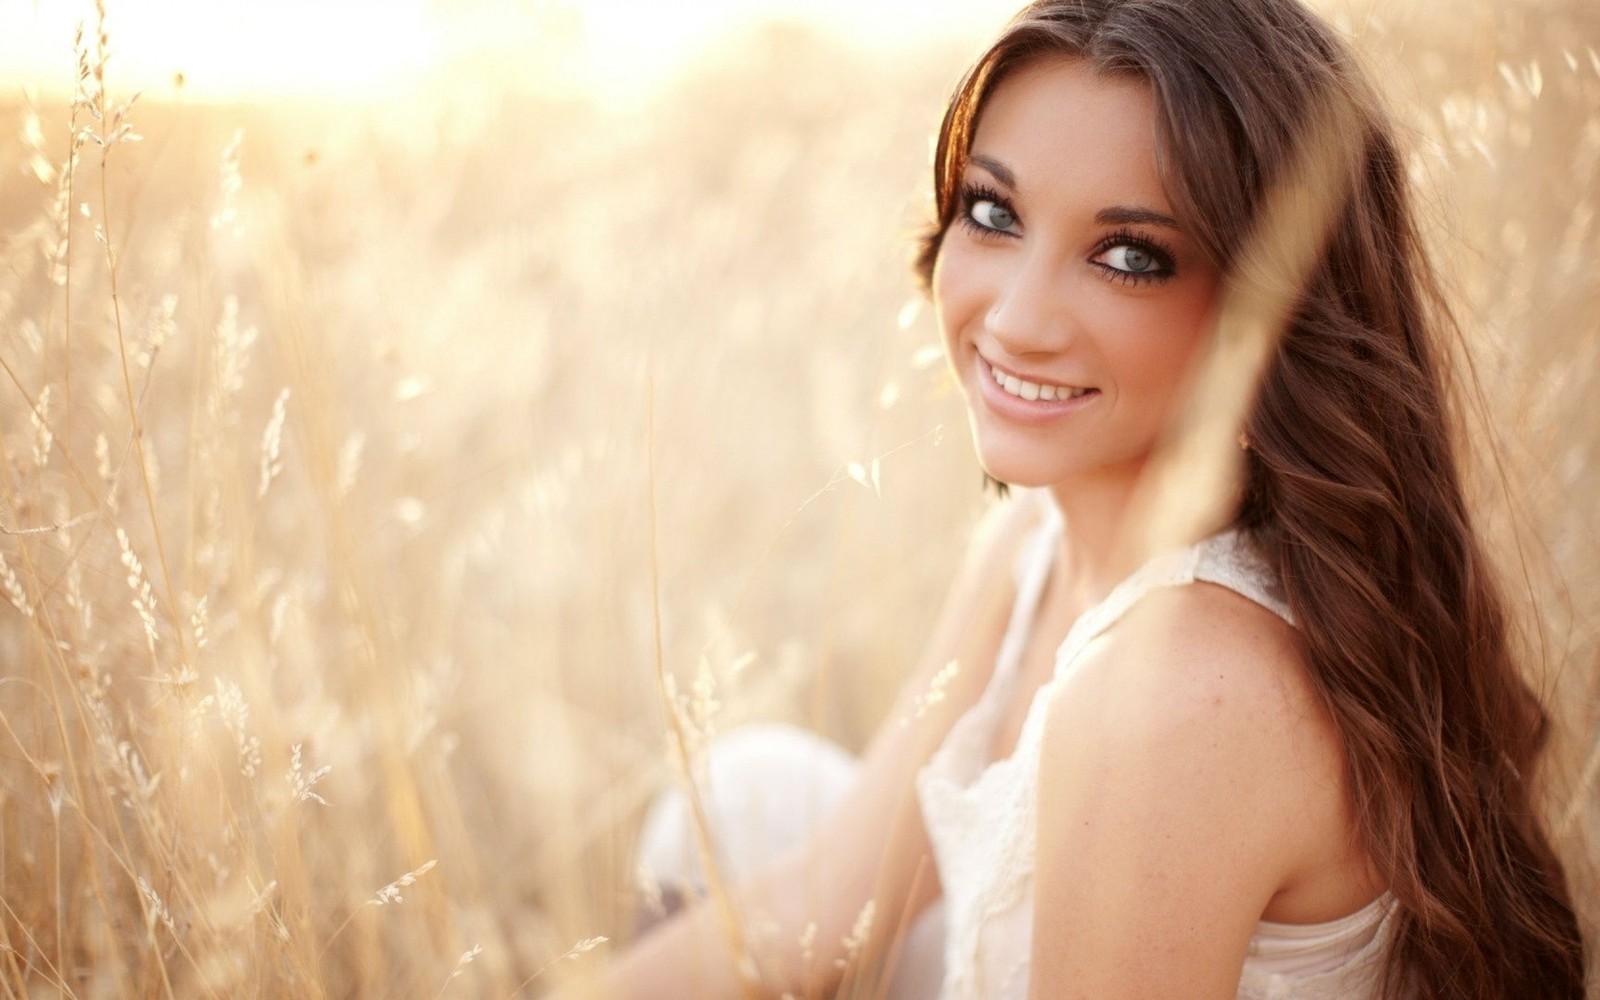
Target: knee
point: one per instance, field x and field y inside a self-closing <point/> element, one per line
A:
<point x="767" y="787"/>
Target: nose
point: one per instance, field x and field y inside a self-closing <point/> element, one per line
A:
<point x="1029" y="311"/>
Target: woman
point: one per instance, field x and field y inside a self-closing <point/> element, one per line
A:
<point x="1292" y="759"/>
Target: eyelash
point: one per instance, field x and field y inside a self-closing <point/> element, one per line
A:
<point x="1166" y="265"/>
<point x="971" y="194"/>
<point x="1162" y="254"/>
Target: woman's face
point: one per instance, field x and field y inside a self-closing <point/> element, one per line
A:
<point x="1072" y="305"/>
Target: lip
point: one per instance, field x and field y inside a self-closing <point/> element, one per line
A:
<point x="1022" y="411"/>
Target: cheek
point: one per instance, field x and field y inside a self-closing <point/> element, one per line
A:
<point x="1159" y="342"/>
<point x="967" y="281"/>
<point x="953" y="292"/>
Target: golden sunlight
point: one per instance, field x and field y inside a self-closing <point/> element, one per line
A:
<point x="341" y="50"/>
<point x="226" y="49"/>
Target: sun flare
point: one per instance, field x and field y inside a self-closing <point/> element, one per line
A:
<point x="342" y="50"/>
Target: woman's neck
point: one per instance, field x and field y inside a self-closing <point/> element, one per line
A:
<point x="1097" y="549"/>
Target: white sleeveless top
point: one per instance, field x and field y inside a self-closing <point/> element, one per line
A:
<point x="979" y="814"/>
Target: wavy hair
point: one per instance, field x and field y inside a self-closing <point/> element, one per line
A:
<point x="1351" y="487"/>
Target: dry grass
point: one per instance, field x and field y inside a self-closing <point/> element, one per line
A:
<point x="327" y="612"/>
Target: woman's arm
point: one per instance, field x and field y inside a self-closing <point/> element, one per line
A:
<point x="872" y="847"/>
<point x="1183" y="778"/>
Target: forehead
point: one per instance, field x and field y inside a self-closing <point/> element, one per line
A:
<point x="1065" y="129"/>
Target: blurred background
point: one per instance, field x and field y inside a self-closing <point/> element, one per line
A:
<point x="357" y="377"/>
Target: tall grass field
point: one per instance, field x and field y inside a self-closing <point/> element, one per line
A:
<point x="352" y="455"/>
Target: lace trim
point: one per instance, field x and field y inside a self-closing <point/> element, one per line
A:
<point x="981" y="821"/>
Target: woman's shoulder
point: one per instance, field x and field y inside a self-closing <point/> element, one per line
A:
<point x="1200" y="688"/>
<point x="1207" y="653"/>
<point x="1001" y="532"/>
<point x="1185" y="769"/>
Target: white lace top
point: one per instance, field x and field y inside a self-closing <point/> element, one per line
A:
<point x="980" y="814"/>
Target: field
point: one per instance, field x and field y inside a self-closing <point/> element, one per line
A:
<point x="348" y="451"/>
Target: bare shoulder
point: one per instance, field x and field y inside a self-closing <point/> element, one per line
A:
<point x="975" y="610"/>
<point x="1002" y="529"/>
<point x="991" y="553"/>
<point x="1187" y="777"/>
<point x="1205" y="656"/>
<point x="1203" y="695"/>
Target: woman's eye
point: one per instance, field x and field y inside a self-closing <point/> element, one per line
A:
<point x="1131" y="259"/>
<point x="992" y="215"/>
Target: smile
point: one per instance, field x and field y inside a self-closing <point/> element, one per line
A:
<point x="1031" y="391"/>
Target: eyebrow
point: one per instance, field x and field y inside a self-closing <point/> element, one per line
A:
<point x="1117" y="215"/>
<point x="1002" y="173"/>
<point x="1124" y="215"/>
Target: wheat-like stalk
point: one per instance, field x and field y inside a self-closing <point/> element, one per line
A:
<point x="324" y="476"/>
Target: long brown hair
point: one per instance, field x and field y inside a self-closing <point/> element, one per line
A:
<point x="1352" y="487"/>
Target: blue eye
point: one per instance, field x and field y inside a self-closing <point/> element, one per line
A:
<point x="985" y="212"/>
<point x="1130" y="259"/>
<point x="992" y="215"/>
<point x="1133" y="259"/>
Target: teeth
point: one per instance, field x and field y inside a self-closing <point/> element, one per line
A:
<point x="1031" y="391"/>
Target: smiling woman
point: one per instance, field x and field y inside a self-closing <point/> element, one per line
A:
<point x="1291" y="756"/>
<point x="1072" y="304"/>
<point x="336" y="649"/>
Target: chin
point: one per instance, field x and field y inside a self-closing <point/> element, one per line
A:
<point x="1020" y="459"/>
<point x="1016" y="466"/>
<point x="1019" y="478"/>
